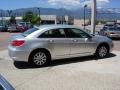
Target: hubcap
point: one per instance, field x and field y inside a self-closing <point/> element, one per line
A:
<point x="103" y="51"/>
<point x="39" y="58"/>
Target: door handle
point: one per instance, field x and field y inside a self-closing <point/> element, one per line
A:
<point x="51" y="41"/>
<point x="74" y="40"/>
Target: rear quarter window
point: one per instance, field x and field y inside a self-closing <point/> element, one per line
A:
<point x="29" y="31"/>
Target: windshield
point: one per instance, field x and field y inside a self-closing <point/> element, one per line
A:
<point x="113" y="29"/>
<point x="12" y="25"/>
<point x="118" y="28"/>
<point x="29" y="31"/>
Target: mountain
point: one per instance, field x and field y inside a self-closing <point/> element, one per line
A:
<point x="104" y="14"/>
<point x="44" y="11"/>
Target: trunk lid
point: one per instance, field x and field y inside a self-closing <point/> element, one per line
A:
<point x="16" y="37"/>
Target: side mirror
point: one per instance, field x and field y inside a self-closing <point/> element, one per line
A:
<point x="89" y="36"/>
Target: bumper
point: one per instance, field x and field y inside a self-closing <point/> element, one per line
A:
<point x="114" y="36"/>
<point x="12" y="30"/>
<point x="111" y="47"/>
<point x="18" y="55"/>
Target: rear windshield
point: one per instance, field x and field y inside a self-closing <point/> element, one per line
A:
<point x="29" y="31"/>
<point x="21" y="24"/>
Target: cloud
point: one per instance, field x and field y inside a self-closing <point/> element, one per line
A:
<point x="76" y="3"/>
<point x="65" y="3"/>
<point x="106" y="1"/>
<point x="100" y="3"/>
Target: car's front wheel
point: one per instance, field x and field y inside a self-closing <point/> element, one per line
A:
<point x="102" y="51"/>
<point x="39" y="58"/>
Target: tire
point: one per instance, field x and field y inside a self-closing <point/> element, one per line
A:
<point x="102" y="51"/>
<point x="10" y="31"/>
<point x="39" y="58"/>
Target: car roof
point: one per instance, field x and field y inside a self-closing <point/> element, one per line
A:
<point x="55" y="26"/>
<point x="43" y="28"/>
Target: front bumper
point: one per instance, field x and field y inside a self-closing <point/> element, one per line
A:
<point x="114" y="35"/>
<point x="12" y="30"/>
<point x="111" y="47"/>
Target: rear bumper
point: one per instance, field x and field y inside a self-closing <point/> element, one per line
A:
<point x="18" y="55"/>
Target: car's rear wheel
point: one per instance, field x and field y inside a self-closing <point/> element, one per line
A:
<point x="39" y="58"/>
<point x="10" y="31"/>
<point x="102" y="51"/>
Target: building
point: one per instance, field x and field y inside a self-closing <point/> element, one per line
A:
<point x="80" y="22"/>
<point x="46" y="19"/>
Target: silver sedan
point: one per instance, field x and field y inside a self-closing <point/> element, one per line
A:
<point x="42" y="44"/>
<point x="111" y="32"/>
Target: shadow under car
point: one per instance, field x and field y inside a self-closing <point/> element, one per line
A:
<point x="25" y="65"/>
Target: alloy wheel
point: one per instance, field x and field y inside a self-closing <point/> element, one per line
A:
<point x="40" y="58"/>
<point x="103" y="51"/>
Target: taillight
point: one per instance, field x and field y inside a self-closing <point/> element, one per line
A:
<point x="17" y="43"/>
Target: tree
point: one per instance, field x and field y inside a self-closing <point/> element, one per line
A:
<point x="12" y="20"/>
<point x="32" y="18"/>
<point x="97" y="22"/>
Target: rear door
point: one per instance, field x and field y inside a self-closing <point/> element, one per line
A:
<point x="57" y="42"/>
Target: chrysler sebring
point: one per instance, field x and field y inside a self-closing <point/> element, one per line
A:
<point x="40" y="45"/>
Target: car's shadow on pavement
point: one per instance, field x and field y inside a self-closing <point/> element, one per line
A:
<point x="116" y="39"/>
<point x="25" y="65"/>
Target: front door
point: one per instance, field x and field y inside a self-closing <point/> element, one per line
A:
<point x="81" y="42"/>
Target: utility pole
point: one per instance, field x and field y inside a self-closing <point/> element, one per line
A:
<point x="39" y="14"/>
<point x="84" y="15"/>
<point x="1" y="17"/>
<point x="93" y="16"/>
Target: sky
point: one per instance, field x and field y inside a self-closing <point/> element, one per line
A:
<point x="68" y="4"/>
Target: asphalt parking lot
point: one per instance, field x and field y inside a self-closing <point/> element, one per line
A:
<point x="85" y="73"/>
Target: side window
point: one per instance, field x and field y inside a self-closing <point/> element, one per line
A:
<point x="55" y="33"/>
<point x="76" y="33"/>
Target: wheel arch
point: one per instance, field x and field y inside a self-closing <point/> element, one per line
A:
<point x="39" y="49"/>
<point x="104" y="43"/>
